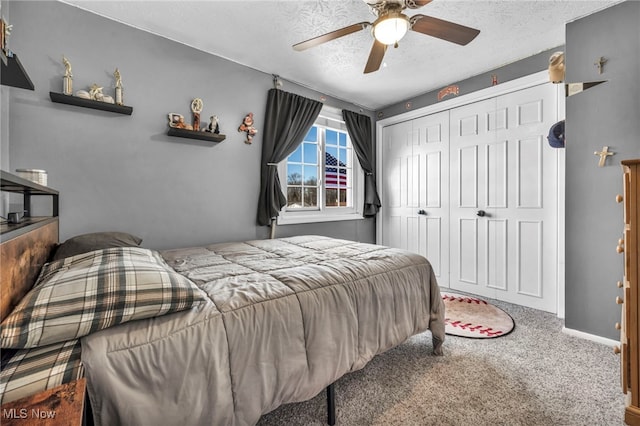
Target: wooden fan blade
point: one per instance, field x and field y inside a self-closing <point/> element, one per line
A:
<point x="375" y="57"/>
<point x="414" y="4"/>
<point x="330" y="36"/>
<point x="444" y="30"/>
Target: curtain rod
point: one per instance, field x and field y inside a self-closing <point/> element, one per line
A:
<point x="331" y="118"/>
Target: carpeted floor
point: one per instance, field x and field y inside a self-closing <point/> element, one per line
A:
<point x="536" y="375"/>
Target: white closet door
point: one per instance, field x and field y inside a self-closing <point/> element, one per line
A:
<point x="471" y="137"/>
<point x="532" y="213"/>
<point x="504" y="198"/>
<point x="416" y="192"/>
<point x="431" y="226"/>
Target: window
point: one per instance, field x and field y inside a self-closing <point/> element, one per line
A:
<point x="322" y="177"/>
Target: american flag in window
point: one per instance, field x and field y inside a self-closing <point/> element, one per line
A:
<point x="337" y="162"/>
<point x="335" y="172"/>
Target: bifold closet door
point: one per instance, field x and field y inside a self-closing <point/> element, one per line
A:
<point x="416" y="191"/>
<point x="504" y="198"/>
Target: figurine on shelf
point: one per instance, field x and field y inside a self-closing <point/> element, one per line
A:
<point x="176" y="120"/>
<point x="247" y="126"/>
<point x="213" y="126"/>
<point x="83" y="94"/>
<point x="196" y="109"/>
<point x="67" y="80"/>
<point x="118" y="77"/>
<point x="5" y="32"/>
<point x="95" y="92"/>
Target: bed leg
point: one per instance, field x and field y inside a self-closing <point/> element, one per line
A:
<point x="331" y="405"/>
<point x="87" y="414"/>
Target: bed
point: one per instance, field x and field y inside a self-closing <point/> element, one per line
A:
<point x="266" y="322"/>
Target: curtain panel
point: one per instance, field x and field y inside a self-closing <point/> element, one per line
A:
<point x="288" y="119"/>
<point x="359" y="128"/>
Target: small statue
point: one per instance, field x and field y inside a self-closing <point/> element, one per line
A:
<point x="247" y="126"/>
<point x="213" y="126"/>
<point x="5" y="36"/>
<point x="83" y="94"/>
<point x="118" y="77"/>
<point x="67" y="80"/>
<point x="95" y="92"/>
<point x="176" y="120"/>
<point x="67" y="67"/>
<point x="196" y="109"/>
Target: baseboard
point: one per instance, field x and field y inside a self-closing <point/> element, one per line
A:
<point x="592" y="337"/>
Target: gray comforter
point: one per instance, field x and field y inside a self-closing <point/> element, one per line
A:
<point x="283" y="319"/>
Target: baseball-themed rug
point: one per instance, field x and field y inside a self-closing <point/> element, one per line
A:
<point x="467" y="316"/>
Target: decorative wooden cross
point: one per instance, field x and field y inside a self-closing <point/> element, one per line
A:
<point x="603" y="155"/>
<point x="600" y="64"/>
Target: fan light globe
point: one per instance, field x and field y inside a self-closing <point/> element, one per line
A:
<point x="390" y="28"/>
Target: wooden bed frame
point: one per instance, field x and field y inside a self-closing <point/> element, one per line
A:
<point x="21" y="259"/>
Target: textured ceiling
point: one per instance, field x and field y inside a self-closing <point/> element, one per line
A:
<point x="259" y="34"/>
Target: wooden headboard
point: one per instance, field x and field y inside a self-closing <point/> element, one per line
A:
<point x="21" y="259"/>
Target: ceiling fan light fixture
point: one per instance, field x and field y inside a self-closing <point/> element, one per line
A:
<point x="390" y="28"/>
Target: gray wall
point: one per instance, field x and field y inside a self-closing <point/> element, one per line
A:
<point x="608" y="114"/>
<point x="513" y="71"/>
<point x="117" y="172"/>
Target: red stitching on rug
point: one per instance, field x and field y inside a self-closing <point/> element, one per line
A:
<point x="463" y="299"/>
<point x="473" y="328"/>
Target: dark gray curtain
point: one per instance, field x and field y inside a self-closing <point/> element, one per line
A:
<point x="288" y="118"/>
<point x="359" y="128"/>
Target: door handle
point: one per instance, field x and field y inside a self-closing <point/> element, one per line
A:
<point x="481" y="213"/>
<point x="422" y="212"/>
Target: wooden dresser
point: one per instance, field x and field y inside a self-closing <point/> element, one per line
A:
<point x="629" y="327"/>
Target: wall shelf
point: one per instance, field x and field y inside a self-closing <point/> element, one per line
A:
<point x="16" y="184"/>
<point x="194" y="134"/>
<point x="13" y="74"/>
<point x="89" y="103"/>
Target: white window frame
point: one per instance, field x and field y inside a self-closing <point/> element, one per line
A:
<point x="329" y="118"/>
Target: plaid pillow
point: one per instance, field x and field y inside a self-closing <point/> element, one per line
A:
<point x="82" y="294"/>
<point x="31" y="371"/>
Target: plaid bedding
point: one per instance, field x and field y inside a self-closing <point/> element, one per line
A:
<point x="29" y="371"/>
<point x="82" y="294"/>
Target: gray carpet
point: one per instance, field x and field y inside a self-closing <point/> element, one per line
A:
<point x="536" y="375"/>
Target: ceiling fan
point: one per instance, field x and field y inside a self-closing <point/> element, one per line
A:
<point x="392" y="25"/>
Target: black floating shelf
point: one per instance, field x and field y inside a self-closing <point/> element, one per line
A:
<point x="13" y="74"/>
<point x="89" y="103"/>
<point x="194" y="134"/>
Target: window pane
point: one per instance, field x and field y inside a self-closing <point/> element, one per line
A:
<point x="331" y="137"/>
<point x="311" y="175"/>
<point x="342" y="156"/>
<point x="310" y="153"/>
<point x="343" y="198"/>
<point x="343" y="139"/>
<point x="311" y="197"/>
<point x="331" y="198"/>
<point x="294" y="197"/>
<point x="331" y="156"/>
<point x="342" y="176"/>
<point x="294" y="174"/>
<point x="331" y="177"/>
<point x="312" y="136"/>
<point x="296" y="156"/>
